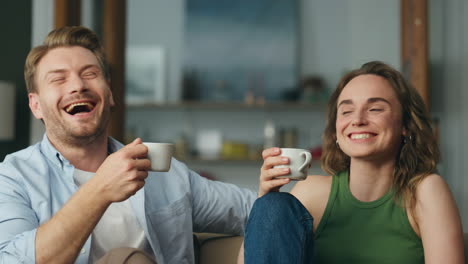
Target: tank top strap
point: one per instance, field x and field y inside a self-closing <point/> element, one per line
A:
<point x="328" y="209"/>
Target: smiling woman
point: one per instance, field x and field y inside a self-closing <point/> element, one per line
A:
<point x="383" y="201"/>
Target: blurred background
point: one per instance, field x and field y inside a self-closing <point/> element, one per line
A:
<point x="224" y="79"/>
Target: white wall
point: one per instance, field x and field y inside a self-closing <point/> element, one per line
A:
<point x="42" y="23"/>
<point x="161" y="23"/>
<point x="449" y="93"/>
<point x="337" y="36"/>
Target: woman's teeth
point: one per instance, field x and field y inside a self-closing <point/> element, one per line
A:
<point x="360" y="136"/>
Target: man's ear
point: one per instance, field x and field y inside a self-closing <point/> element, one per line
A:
<point x="111" y="99"/>
<point x="35" y="105"/>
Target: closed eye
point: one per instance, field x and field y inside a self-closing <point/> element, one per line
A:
<point x="89" y="75"/>
<point x="59" y="79"/>
<point x="376" y="110"/>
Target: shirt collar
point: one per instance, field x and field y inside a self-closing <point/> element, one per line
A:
<point x="58" y="159"/>
<point x="51" y="153"/>
<point x="113" y="145"/>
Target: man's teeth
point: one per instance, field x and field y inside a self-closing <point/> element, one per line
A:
<point x="70" y="107"/>
<point x="360" y="136"/>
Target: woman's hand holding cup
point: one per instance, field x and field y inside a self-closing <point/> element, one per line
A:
<point x="268" y="181"/>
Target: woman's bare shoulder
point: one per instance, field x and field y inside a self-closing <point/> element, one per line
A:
<point x="433" y="194"/>
<point x="313" y="182"/>
<point x="313" y="192"/>
<point x="436" y="207"/>
<point x="430" y="185"/>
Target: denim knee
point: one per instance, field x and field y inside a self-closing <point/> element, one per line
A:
<point x="277" y="207"/>
<point x="275" y="201"/>
<point x="279" y="230"/>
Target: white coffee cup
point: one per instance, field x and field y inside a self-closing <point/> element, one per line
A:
<point x="299" y="162"/>
<point x="160" y="155"/>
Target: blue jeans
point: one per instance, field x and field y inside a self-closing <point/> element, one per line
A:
<point x="279" y="230"/>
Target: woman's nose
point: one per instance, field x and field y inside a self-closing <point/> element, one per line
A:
<point x="359" y="119"/>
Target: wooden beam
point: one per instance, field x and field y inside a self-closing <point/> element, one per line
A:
<point x="114" y="17"/>
<point x="67" y="13"/>
<point x="414" y="45"/>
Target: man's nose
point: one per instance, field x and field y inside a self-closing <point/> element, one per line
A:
<point x="76" y="84"/>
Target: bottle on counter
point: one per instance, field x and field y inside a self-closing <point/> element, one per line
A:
<point x="181" y="148"/>
<point x="270" y="135"/>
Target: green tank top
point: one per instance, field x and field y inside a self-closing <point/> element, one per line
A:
<point x="352" y="231"/>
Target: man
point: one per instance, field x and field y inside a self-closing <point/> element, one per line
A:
<point x="79" y="193"/>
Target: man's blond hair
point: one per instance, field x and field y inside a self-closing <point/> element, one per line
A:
<point x="63" y="37"/>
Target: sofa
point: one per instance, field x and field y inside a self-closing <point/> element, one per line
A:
<point x="216" y="248"/>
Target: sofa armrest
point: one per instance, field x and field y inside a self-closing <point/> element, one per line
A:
<point x="217" y="248"/>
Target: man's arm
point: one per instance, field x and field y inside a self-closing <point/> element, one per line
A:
<point x="219" y="207"/>
<point x="18" y="222"/>
<point x="60" y="239"/>
<point x="120" y="176"/>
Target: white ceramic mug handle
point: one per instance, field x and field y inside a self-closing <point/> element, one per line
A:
<point x="308" y="159"/>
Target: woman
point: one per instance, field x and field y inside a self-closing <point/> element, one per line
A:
<point x="384" y="202"/>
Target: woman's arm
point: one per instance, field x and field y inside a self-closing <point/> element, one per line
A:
<point x="267" y="181"/>
<point x="439" y="222"/>
<point x="240" y="256"/>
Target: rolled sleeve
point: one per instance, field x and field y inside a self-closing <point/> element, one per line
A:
<point x="219" y="207"/>
<point x="19" y="249"/>
<point x="18" y="224"/>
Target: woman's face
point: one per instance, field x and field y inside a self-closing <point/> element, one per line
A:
<point x="369" y="119"/>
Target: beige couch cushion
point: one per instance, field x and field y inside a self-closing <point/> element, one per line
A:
<point x="216" y="248"/>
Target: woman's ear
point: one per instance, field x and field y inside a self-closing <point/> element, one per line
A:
<point x="404" y="132"/>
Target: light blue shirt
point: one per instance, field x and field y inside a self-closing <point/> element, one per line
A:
<point x="37" y="181"/>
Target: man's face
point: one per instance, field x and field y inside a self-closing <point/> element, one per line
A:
<point x="73" y="98"/>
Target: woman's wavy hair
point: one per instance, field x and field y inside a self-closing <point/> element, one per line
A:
<point x="419" y="152"/>
<point x="64" y="37"/>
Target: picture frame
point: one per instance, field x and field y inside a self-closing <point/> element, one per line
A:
<point x="145" y="75"/>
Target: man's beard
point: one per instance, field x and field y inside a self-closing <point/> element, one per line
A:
<point x="77" y="136"/>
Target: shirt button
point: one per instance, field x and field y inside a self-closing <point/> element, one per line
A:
<point x="83" y="251"/>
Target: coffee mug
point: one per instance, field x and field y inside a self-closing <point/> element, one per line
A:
<point x="160" y="155"/>
<point x="299" y="162"/>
